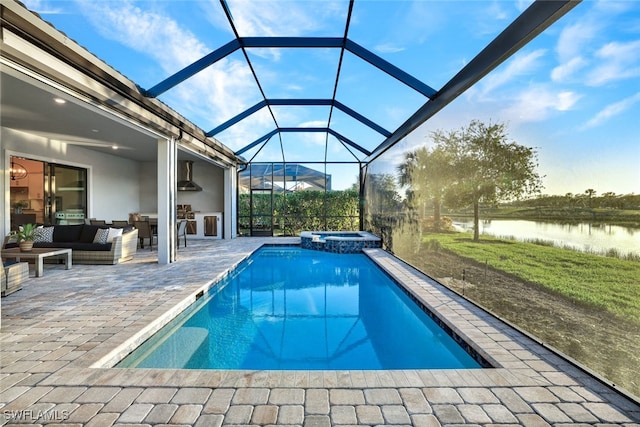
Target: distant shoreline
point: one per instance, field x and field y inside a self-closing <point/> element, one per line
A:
<point x="622" y="217"/>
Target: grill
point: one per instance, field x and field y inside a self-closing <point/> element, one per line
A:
<point x="70" y="216"/>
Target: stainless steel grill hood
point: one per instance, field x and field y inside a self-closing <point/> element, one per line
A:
<point x="186" y="183"/>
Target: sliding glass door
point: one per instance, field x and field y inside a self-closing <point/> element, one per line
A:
<point x="46" y="193"/>
<point x="67" y="194"/>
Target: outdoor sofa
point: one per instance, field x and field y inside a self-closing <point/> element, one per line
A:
<point x="88" y="242"/>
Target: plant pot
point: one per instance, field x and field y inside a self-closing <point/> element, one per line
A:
<point x="26" y="246"/>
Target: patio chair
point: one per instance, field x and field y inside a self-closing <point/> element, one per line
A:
<point x="144" y="232"/>
<point x="182" y="231"/>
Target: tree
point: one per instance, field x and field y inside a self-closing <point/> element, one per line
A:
<point x="382" y="194"/>
<point x="427" y="173"/>
<point x="590" y="193"/>
<point x="609" y="199"/>
<point x="384" y="213"/>
<point x="488" y="167"/>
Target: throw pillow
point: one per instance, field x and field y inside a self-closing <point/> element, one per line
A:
<point x="88" y="233"/>
<point x="67" y="233"/>
<point x="113" y="232"/>
<point x="101" y="236"/>
<point x="43" y="234"/>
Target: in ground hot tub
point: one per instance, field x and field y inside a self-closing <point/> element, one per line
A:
<point x="339" y="242"/>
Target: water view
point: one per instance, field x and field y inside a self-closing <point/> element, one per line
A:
<point x="581" y="236"/>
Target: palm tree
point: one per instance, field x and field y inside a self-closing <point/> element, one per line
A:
<point x="590" y="193"/>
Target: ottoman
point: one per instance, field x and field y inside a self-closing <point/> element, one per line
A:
<point x="12" y="277"/>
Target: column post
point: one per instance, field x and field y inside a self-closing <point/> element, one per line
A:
<point x="230" y="203"/>
<point x="167" y="154"/>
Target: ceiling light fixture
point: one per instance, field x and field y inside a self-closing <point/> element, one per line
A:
<point x="59" y="101"/>
<point x="17" y="171"/>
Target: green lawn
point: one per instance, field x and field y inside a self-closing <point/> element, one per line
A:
<point x="610" y="283"/>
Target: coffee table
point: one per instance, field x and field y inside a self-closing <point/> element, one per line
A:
<point x="38" y="255"/>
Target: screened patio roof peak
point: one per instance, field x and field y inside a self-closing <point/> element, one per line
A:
<point x="536" y="18"/>
<point x="295" y="42"/>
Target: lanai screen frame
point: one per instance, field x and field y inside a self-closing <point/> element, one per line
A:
<point x="530" y="23"/>
<point x="293" y="221"/>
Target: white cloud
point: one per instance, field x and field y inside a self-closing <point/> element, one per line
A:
<point x="293" y="87"/>
<point x="149" y="32"/>
<point x="314" y="138"/>
<point x="250" y="129"/>
<point x="519" y="65"/>
<point x="566" y="100"/>
<point x="43" y="7"/>
<point x="278" y="19"/>
<point x="564" y="72"/>
<point x="489" y="18"/>
<point x="205" y="96"/>
<point x="521" y="5"/>
<point x="283" y="18"/>
<point x="585" y="50"/>
<point x="538" y="103"/>
<point x="574" y="37"/>
<point x="616" y="61"/>
<point x="389" y="48"/>
<point x="496" y="11"/>
<point x="313" y="124"/>
<point x="612" y="110"/>
<point x="581" y="35"/>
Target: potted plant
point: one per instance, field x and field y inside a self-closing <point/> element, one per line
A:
<point x="24" y="236"/>
<point x="19" y="205"/>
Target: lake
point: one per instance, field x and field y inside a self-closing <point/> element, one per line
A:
<point x="582" y="236"/>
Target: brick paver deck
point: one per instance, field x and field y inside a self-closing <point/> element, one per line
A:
<point x="62" y="332"/>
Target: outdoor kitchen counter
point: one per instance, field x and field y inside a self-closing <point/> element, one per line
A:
<point x="200" y="225"/>
<point x="204" y="230"/>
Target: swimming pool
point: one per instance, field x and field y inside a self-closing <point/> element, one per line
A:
<point x="293" y="308"/>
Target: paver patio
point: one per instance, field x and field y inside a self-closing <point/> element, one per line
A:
<point x="62" y="331"/>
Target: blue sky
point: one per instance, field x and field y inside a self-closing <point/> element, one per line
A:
<point x="573" y="92"/>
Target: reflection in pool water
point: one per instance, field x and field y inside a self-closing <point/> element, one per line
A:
<point x="292" y="308"/>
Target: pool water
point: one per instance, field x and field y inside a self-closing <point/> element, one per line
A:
<point x="293" y="308"/>
<point x="325" y="235"/>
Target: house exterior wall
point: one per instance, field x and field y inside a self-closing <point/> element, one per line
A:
<point x="113" y="182"/>
<point x="208" y="176"/>
<point x="211" y="198"/>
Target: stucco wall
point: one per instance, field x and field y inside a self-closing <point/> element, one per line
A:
<point x="208" y="176"/>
